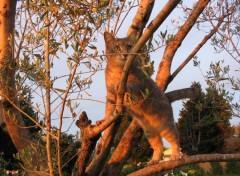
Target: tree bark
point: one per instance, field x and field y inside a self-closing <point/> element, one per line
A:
<point x="10" y="115"/>
<point x="167" y="165"/>
<point x="141" y="18"/>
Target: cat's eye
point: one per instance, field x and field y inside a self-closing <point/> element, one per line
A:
<point x="129" y="47"/>
<point x="117" y="48"/>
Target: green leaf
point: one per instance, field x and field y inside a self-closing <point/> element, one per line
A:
<point x="92" y="47"/>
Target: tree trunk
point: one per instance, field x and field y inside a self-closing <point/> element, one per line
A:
<point x="8" y="92"/>
<point x="100" y="159"/>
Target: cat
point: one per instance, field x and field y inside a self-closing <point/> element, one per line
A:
<point x="143" y="99"/>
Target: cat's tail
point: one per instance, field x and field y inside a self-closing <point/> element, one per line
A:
<point x="192" y="93"/>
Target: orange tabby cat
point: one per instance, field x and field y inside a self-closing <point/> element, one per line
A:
<point x="143" y="99"/>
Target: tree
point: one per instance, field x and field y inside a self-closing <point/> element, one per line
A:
<point x="37" y="43"/>
<point x="237" y="130"/>
<point x="7" y="80"/>
<point x="226" y="40"/>
<point x="48" y="31"/>
<point x="63" y="32"/>
<point x="6" y="146"/>
<point x="204" y="125"/>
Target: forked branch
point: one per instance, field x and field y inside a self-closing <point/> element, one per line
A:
<point x="163" y="73"/>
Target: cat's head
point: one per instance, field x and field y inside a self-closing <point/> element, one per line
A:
<point x="117" y="49"/>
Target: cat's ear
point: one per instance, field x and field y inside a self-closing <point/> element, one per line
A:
<point x="108" y="37"/>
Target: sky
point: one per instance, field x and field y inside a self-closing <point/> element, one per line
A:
<point x="95" y="109"/>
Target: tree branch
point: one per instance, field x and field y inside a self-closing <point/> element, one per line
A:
<point x="141" y="18"/>
<point x="163" y="73"/>
<point x="10" y="114"/>
<point x="100" y="158"/>
<point x="167" y="165"/>
<point x="194" y="52"/>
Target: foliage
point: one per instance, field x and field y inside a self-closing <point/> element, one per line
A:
<point x="213" y="168"/>
<point x="25" y="102"/>
<point x="3" y="165"/>
<point x="27" y="158"/>
<point x="233" y="167"/>
<point x="227" y="37"/>
<point x="204" y="124"/>
<point x="226" y="40"/>
<point x="216" y="168"/>
<point x="129" y="168"/>
<point x="72" y="26"/>
<point x="69" y="150"/>
<point x="55" y="47"/>
<point x="27" y="110"/>
<point x="219" y="76"/>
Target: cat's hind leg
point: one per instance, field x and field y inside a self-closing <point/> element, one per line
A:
<point x="171" y="135"/>
<point x="156" y="143"/>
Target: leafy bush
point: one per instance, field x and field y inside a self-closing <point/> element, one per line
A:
<point x="233" y="167"/>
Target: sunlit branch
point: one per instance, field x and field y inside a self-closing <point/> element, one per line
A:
<point x="200" y="45"/>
